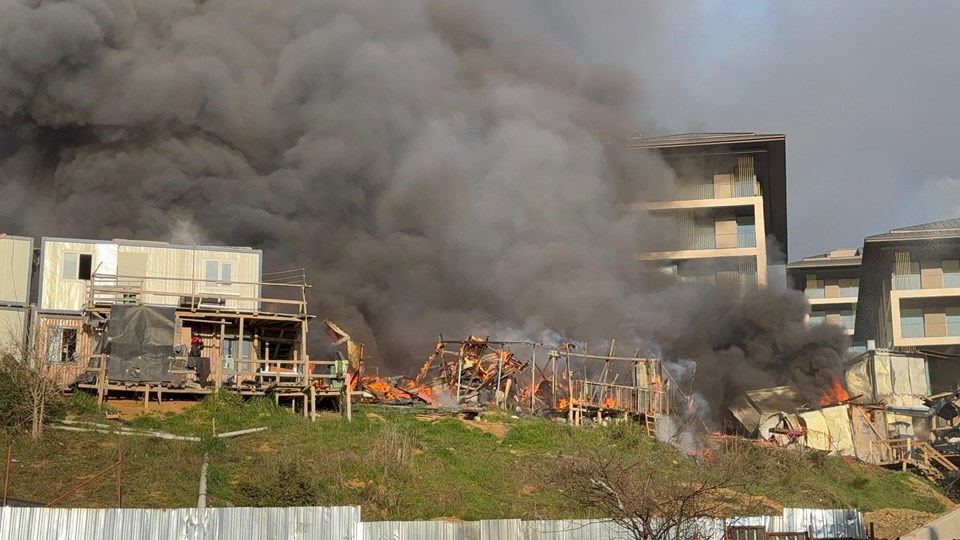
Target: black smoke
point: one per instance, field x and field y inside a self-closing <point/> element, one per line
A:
<point x="436" y="165"/>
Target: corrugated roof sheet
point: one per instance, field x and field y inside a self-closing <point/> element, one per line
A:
<point x="947" y="228"/>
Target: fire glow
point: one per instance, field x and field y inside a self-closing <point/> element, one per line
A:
<point x="835" y="393"/>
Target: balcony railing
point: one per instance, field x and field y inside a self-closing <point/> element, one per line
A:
<point x="906" y="282"/>
<point x="719" y="241"/>
<point x="845" y="292"/>
<point x="286" y="295"/>
<point x="691" y="192"/>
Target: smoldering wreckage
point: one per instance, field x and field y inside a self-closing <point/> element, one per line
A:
<point x="878" y="409"/>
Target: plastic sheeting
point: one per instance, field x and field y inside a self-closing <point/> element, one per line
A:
<point x="139" y="342"/>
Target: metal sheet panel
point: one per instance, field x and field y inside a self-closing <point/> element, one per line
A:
<point x="573" y="529"/>
<point x="16" y="265"/>
<point x="825" y="523"/>
<point x="13" y="330"/>
<point x="68" y="295"/>
<point x="413" y="530"/>
<point x="308" y="523"/>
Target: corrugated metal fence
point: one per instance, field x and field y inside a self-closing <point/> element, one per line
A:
<point x="309" y="523"/>
<point x="343" y="523"/>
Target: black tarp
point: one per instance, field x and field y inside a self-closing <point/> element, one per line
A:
<point x="139" y="341"/>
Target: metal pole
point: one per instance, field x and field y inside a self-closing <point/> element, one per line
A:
<point x="77" y="487"/>
<point x="6" y="476"/>
<point x="349" y="403"/>
<point x="202" y="499"/>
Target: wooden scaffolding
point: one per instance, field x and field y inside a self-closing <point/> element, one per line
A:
<point x="254" y="336"/>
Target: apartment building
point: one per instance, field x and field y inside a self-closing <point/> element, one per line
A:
<point x="16" y="273"/>
<point x="831" y="283"/>
<point x="728" y="202"/>
<point x="910" y="288"/>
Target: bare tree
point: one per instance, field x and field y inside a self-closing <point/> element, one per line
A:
<point x="36" y="385"/>
<point x="655" y="493"/>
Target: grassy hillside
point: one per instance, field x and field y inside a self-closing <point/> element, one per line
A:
<point x="399" y="464"/>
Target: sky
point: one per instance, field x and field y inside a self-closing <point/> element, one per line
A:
<point x="865" y="91"/>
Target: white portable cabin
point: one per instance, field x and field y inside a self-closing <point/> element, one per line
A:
<point x="16" y="269"/>
<point x="151" y="273"/>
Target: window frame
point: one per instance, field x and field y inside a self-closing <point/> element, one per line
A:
<point x="76" y="266"/>
<point x="220" y="278"/>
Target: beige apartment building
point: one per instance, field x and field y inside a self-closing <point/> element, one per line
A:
<point x="831" y="283"/>
<point x="728" y="202"/>
<point x="910" y="289"/>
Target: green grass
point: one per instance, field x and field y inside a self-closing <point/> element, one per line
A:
<point x="398" y="464"/>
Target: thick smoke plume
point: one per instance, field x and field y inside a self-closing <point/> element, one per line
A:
<point x="436" y="165"/>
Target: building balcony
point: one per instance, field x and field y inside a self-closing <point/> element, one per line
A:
<point x="913" y="282"/>
<point x="696" y="246"/>
<point x="705" y="196"/>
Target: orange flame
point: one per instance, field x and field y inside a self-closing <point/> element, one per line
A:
<point x="610" y="403"/>
<point x="835" y="393"/>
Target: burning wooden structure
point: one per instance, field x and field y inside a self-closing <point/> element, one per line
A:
<point x="609" y="385"/>
<point x="884" y="416"/>
<point x="477" y="372"/>
<point x="253" y="336"/>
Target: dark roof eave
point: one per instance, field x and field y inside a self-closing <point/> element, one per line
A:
<point x="679" y="142"/>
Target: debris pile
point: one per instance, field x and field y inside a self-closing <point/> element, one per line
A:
<point x="475" y="373"/>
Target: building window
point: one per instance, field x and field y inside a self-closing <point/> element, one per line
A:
<point x="849" y="288"/>
<point x="814" y="288"/>
<point x="818" y="317"/>
<point x="61" y="345"/>
<point x="77" y="266"/>
<point x="847" y="318"/>
<point x="232" y="350"/>
<point x="911" y="323"/>
<point x="909" y="278"/>
<point x="951" y="274"/>
<point x="953" y="321"/>
<point x="746" y="232"/>
<point x="704" y="234"/>
<point x="220" y="272"/>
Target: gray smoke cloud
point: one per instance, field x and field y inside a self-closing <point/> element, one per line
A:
<point x="436" y="165"/>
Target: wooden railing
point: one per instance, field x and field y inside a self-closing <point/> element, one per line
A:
<point x="288" y="297"/>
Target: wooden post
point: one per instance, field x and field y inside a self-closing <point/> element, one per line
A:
<point x="569" y="388"/>
<point x="533" y="376"/>
<point x="313" y="403"/>
<point x="119" y="465"/>
<point x="240" y="359"/>
<point x="347" y="402"/>
<point x="553" y="382"/>
<point x="146" y="397"/>
<point x="102" y="381"/>
<point x="218" y="368"/>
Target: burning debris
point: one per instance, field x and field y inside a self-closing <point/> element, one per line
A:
<point x="476" y="373"/>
